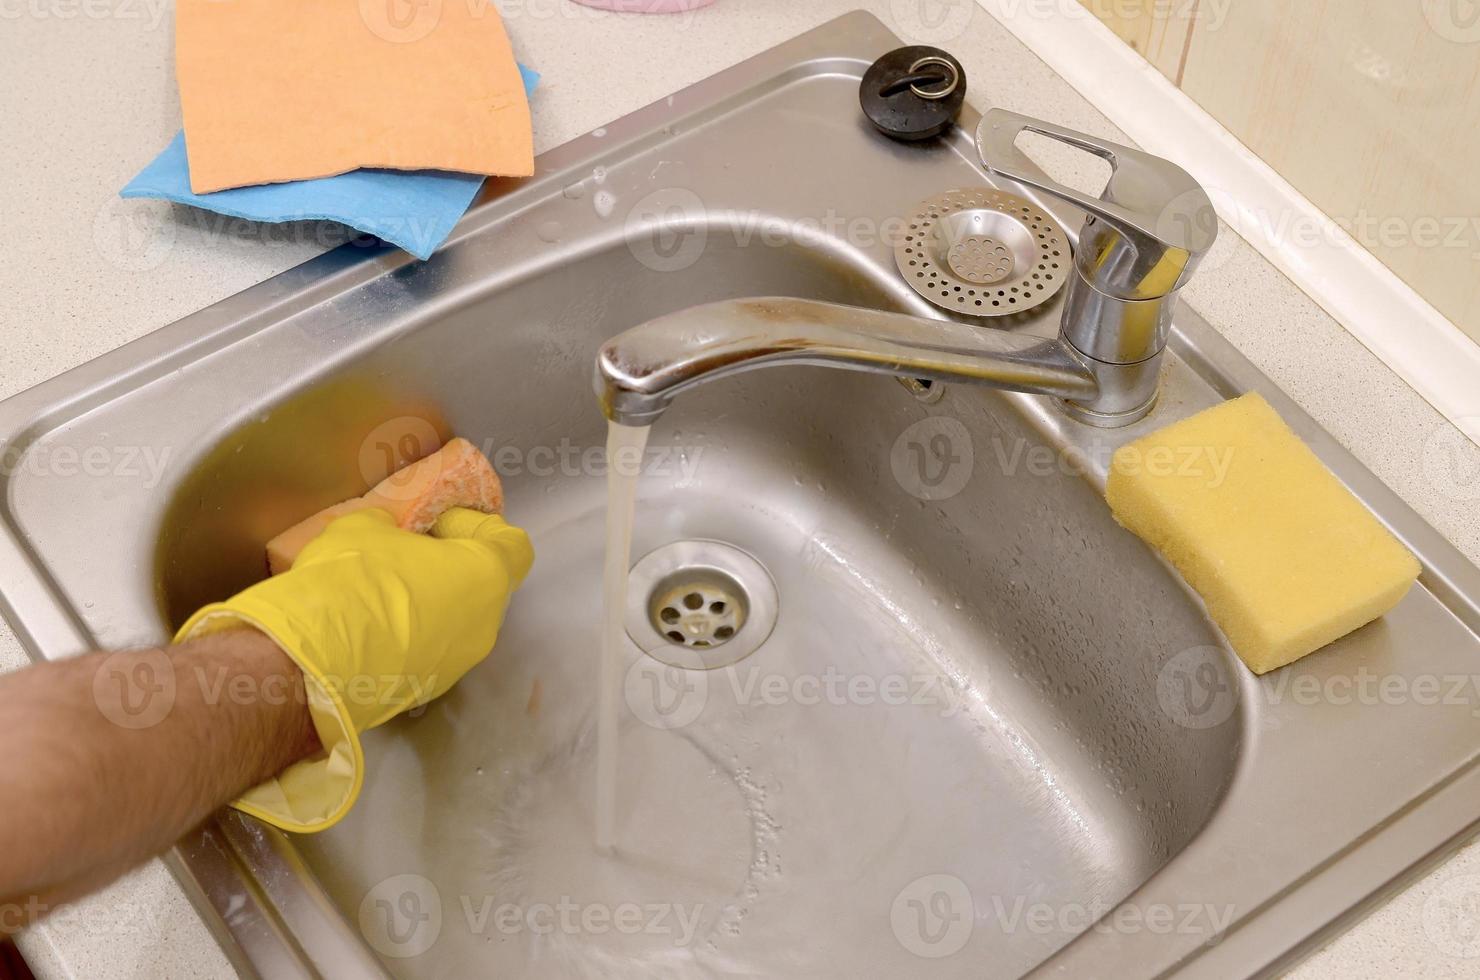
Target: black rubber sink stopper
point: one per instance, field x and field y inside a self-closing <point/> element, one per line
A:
<point x="913" y="93"/>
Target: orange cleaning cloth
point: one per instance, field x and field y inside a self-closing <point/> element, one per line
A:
<point x="279" y="90"/>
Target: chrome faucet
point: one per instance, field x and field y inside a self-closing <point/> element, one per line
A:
<point x="1140" y="243"/>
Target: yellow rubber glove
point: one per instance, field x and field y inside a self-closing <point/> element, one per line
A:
<point x="381" y="620"/>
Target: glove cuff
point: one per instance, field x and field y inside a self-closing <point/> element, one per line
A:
<point x="315" y="793"/>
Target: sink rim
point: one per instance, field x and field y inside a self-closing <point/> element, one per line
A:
<point x="48" y="626"/>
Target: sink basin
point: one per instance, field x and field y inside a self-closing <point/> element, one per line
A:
<point x="987" y="731"/>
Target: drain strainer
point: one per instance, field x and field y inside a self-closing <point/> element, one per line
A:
<point x="983" y="252"/>
<point x="700" y="607"/>
<point x="700" y="604"/>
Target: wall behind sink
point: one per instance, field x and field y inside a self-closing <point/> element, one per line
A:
<point x="1371" y="108"/>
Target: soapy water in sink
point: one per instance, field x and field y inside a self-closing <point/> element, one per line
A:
<point x="488" y="799"/>
<point x="774" y="837"/>
<point x="684" y="851"/>
<point x="622" y="443"/>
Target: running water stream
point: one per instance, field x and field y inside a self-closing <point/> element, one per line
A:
<point x="623" y="443"/>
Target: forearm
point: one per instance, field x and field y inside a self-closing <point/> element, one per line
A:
<point x="111" y="758"/>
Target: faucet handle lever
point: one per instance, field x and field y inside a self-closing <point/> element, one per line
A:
<point x="1143" y="236"/>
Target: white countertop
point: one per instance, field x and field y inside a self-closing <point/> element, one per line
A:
<point x="90" y="99"/>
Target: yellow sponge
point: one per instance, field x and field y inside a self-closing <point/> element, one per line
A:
<point x="1285" y="557"/>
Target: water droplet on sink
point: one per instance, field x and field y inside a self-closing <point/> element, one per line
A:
<point x="599" y="133"/>
<point x="575" y="192"/>
<point x="605" y="203"/>
<point x="549" y="231"/>
<point x="599" y="175"/>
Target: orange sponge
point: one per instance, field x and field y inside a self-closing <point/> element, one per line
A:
<point x="457" y="475"/>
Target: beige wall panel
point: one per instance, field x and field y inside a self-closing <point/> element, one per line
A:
<point x="1158" y="29"/>
<point x="1371" y="108"/>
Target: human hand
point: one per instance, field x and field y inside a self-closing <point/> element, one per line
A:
<point x="380" y="620"/>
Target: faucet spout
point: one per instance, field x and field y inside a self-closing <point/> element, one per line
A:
<point x="1140" y="244"/>
<point x="640" y="372"/>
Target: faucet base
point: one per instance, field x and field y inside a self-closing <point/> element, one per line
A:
<point x="1103" y="420"/>
<point x="1127" y="392"/>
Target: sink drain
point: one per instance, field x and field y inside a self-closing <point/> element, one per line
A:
<point x="699" y="608"/>
<point x="700" y="604"/>
<point x="983" y="252"/>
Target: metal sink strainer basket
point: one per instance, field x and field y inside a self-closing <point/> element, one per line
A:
<point x="983" y="252"/>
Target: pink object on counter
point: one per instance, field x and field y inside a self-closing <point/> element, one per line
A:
<point x="648" y="6"/>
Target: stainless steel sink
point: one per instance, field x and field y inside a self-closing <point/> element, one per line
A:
<point x="989" y="732"/>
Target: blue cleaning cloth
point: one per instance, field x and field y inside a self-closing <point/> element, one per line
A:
<point x="414" y="209"/>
